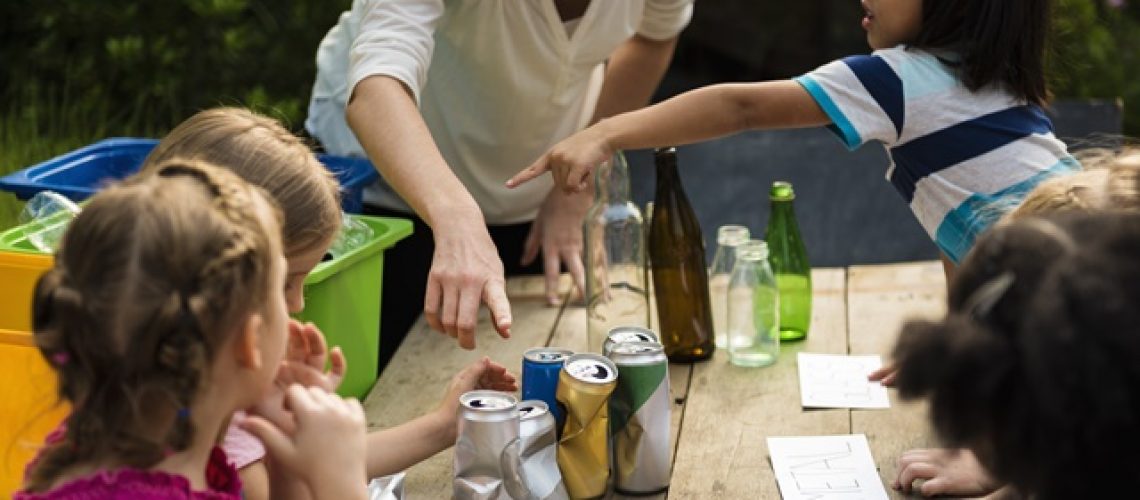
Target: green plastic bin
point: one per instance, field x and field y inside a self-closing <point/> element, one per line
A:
<point x="342" y="295"/>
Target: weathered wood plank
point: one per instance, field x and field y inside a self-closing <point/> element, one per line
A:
<point x="730" y="410"/>
<point x="880" y="299"/>
<point x="534" y="287"/>
<point x="414" y="382"/>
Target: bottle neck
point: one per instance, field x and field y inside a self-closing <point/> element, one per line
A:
<point x="611" y="182"/>
<point x="666" y="170"/>
<point x="782" y="209"/>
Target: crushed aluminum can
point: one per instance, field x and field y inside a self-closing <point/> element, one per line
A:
<point x="584" y="386"/>
<point x="487" y="448"/>
<point x="640" y="410"/>
<point x="538" y="452"/>
<point x="387" y="487"/>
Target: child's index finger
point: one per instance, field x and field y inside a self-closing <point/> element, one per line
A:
<point x="529" y="173"/>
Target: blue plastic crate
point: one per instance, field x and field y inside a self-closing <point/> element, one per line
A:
<point x="78" y="174"/>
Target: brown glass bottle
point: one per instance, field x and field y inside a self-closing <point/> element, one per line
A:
<point x="677" y="257"/>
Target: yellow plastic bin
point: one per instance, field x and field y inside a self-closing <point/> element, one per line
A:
<point x="18" y="273"/>
<point x="29" y="407"/>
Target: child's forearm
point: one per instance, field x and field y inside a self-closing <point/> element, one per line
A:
<point x="284" y="484"/>
<point x="392" y="450"/>
<point x="711" y="112"/>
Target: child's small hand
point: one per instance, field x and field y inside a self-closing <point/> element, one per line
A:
<point x="943" y="472"/>
<point x="482" y="374"/>
<point x="570" y="162"/>
<point x="305" y="360"/>
<point x="304" y="365"/>
<point x="886" y="375"/>
<point x="325" y="446"/>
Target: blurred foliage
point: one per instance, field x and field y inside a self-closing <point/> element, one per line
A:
<point x="76" y="71"/>
<point x="149" y="65"/>
<point x="1096" y="53"/>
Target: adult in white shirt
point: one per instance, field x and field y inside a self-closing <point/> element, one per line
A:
<point x="449" y="98"/>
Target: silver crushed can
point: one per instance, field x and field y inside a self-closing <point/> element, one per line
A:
<point x="639" y="419"/>
<point x="387" y="487"/>
<point x="487" y="447"/>
<point x="538" y="447"/>
<point x="621" y="334"/>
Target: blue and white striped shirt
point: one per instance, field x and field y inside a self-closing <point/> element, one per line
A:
<point x="957" y="157"/>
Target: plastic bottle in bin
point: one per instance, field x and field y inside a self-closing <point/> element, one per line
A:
<point x="677" y="259"/>
<point x="790" y="263"/>
<point x="353" y="234"/>
<point x="45" y="218"/>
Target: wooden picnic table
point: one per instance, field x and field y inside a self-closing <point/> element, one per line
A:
<point x="722" y="414"/>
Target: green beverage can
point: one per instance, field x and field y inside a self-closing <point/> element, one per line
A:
<point x="639" y="419"/>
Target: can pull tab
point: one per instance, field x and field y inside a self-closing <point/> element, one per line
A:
<point x="510" y="463"/>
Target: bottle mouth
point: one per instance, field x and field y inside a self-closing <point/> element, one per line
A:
<point x="782" y="190"/>
<point x="732" y="235"/>
<point x="752" y="250"/>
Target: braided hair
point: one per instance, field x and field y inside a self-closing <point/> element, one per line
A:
<point x="149" y="281"/>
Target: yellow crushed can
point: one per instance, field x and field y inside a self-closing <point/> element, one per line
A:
<point x="584" y="388"/>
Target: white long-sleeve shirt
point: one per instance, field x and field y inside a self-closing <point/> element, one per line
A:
<point x="497" y="81"/>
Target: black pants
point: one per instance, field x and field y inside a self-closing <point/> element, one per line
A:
<point x="406" y="267"/>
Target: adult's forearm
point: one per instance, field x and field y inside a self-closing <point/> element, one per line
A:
<point x="632" y="74"/>
<point x="387" y="123"/>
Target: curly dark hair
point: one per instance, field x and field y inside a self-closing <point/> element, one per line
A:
<point x="1036" y="366"/>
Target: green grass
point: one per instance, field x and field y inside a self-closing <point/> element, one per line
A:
<point x="38" y="128"/>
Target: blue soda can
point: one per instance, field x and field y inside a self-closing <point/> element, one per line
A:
<point x="540" y="369"/>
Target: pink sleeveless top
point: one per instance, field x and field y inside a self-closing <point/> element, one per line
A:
<point x="122" y="484"/>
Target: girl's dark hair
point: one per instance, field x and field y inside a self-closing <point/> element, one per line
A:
<point x="996" y="41"/>
<point x="1035" y="365"/>
<point x="150" y="279"/>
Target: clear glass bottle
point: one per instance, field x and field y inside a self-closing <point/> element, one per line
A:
<point x="614" y="237"/>
<point x="790" y="262"/>
<point x="753" y="308"/>
<point x="680" y="278"/>
<point x="728" y="237"/>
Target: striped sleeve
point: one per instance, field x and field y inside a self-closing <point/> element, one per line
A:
<point x="863" y="97"/>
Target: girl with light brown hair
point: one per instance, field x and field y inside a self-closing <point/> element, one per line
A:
<point x="261" y="151"/>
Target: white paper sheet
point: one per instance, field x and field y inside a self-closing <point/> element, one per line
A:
<point x="825" y="467"/>
<point x="838" y="381"/>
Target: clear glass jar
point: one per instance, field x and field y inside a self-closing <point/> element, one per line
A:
<point x="614" y="237"/>
<point x="753" y="308"/>
<point x="728" y="237"/>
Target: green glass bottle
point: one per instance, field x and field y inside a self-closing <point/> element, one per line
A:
<point x="677" y="260"/>
<point x="790" y="263"/>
